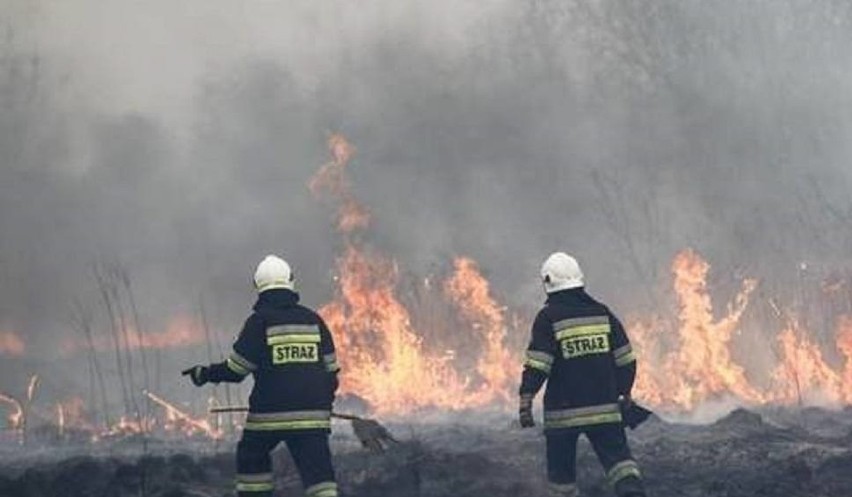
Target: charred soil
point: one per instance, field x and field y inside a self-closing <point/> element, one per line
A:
<point x="777" y="452"/>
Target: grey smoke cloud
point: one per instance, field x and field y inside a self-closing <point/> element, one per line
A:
<point x="178" y="140"/>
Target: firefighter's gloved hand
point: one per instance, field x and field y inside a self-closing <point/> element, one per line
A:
<point x="198" y="374"/>
<point x="525" y="415"/>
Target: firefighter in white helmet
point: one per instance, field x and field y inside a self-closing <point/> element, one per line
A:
<point x="290" y="352"/>
<point x="580" y="349"/>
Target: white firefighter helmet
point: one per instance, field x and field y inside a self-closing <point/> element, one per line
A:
<point x="560" y="272"/>
<point x="273" y="272"/>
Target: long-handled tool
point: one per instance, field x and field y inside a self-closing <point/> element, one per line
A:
<point x="372" y="435"/>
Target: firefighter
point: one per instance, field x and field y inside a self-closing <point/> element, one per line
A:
<point x="580" y="349"/>
<point x="289" y="351"/>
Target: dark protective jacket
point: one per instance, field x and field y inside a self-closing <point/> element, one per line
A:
<point x="290" y="351"/>
<point x="581" y="350"/>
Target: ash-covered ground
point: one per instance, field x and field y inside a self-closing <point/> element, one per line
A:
<point x="771" y="452"/>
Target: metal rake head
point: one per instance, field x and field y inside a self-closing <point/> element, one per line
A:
<point x="372" y="435"/>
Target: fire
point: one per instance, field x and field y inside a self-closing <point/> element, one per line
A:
<point x="470" y="291"/>
<point x="803" y="375"/>
<point x="704" y="357"/>
<point x="683" y="362"/>
<point x="698" y="366"/>
<point x="397" y="368"/>
<point x="844" y="345"/>
<point x="177" y="419"/>
<point x="331" y="178"/>
<point x="389" y="366"/>
<point x="646" y="337"/>
<point x="11" y="344"/>
<point x="384" y="358"/>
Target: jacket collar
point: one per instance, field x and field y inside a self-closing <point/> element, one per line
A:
<point x="276" y="299"/>
<point x="569" y="296"/>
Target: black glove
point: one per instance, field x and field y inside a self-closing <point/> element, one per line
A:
<point x="198" y="374"/>
<point x="632" y="414"/>
<point x="525" y="414"/>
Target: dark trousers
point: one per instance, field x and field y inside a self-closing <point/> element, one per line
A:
<point x="310" y="453"/>
<point x="610" y="445"/>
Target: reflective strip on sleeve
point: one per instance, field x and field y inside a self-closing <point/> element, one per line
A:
<point x="324" y="489"/>
<point x="255" y="482"/>
<point x="624" y="355"/>
<point x="288" y="420"/>
<point x="583" y="416"/>
<point x="331" y="364"/>
<point x="541" y="361"/>
<point x="622" y="470"/>
<point x="240" y="364"/>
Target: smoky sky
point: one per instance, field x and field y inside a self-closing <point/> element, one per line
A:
<point x="177" y="140"/>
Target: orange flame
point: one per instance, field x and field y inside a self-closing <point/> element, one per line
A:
<point x="844" y="345"/>
<point x="180" y="420"/>
<point x="803" y="375"/>
<point x="351" y="215"/>
<point x="11" y="344"/>
<point x="470" y="291"/>
<point x="698" y="366"/>
<point x="383" y="356"/>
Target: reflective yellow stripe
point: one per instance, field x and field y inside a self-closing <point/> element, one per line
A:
<point x="299" y="424"/>
<point x="254" y="477"/>
<point x="277" y="339"/>
<point x="625" y="359"/>
<point x="539" y="356"/>
<point x="623" y="470"/>
<point x="288" y="420"/>
<point x="583" y="416"/>
<point x="255" y="487"/>
<point x="545" y="368"/>
<point x="331" y="364"/>
<point x="576" y="331"/>
<point x="324" y="489"/>
<point x="594" y="419"/>
<point x="242" y="361"/>
<point x="539" y="360"/>
<point x="237" y="368"/>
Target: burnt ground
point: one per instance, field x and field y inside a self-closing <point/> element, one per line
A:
<point x="772" y="453"/>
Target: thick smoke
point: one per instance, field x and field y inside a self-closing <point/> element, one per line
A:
<point x="177" y="140"/>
